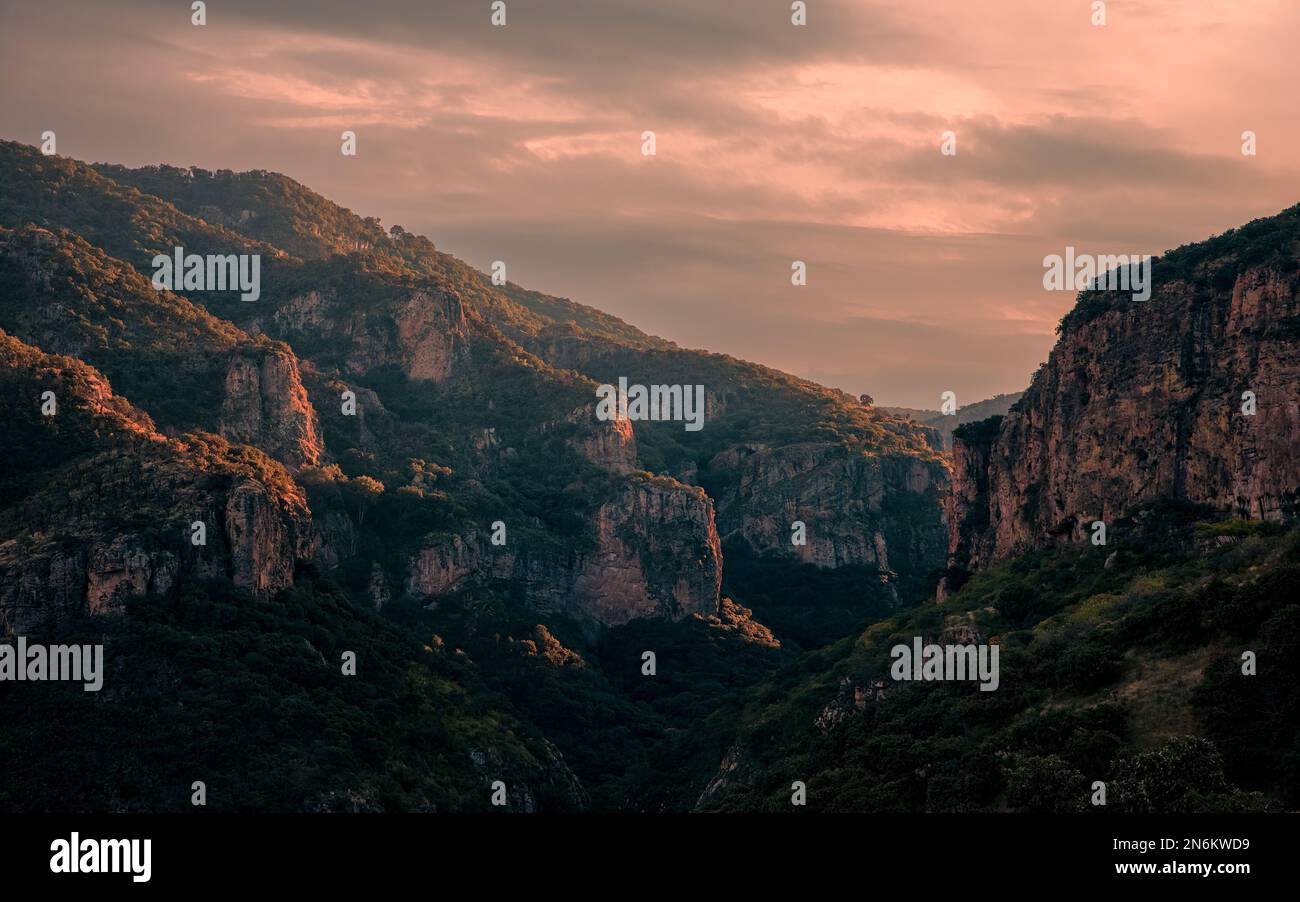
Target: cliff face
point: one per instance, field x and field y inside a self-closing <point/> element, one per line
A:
<point x="653" y="550"/>
<point x="255" y="539"/>
<point x="168" y="355"/>
<point x="101" y="505"/>
<point x="880" y="511"/>
<point x="424" y="333"/>
<point x="1140" y="401"/>
<point x="266" y="405"/>
<point x="609" y="444"/>
<point x="455" y="424"/>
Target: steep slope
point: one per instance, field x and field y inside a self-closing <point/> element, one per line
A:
<point x="383" y="314"/>
<point x="465" y="512"/>
<point x="1127" y="671"/>
<point x="221" y="654"/>
<point x="1148" y="400"/>
<point x="276" y="209"/>
<point x="438" y="389"/>
<point x="57" y="192"/>
<point x="752" y="405"/>
<point x="188" y="369"/>
<point x="100" y="506"/>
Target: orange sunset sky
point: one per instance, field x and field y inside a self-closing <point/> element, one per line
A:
<point x="775" y="143"/>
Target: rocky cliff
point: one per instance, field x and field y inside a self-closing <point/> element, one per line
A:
<point x="1192" y="395"/>
<point x="266" y="405"/>
<point x="421" y="332"/>
<point x="491" y="387"/>
<point x="171" y="357"/>
<point x="101" y="506"/>
<point x="652" y="550"/>
<point x="857" y="509"/>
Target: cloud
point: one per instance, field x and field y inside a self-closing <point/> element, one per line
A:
<point x="775" y="143"/>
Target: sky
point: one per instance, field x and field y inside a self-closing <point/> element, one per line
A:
<point x="773" y="143"/>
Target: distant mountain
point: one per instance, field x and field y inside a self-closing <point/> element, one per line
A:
<point x="944" y="424"/>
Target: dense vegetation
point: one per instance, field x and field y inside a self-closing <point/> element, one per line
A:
<point x="1128" y="673"/>
<point x="250" y="698"/>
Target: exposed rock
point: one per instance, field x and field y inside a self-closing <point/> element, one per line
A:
<point x="424" y="334"/>
<point x="377" y="590"/>
<point x="551" y="776"/>
<point x="609" y="444"/>
<point x="123" y="568"/>
<point x="730" y="771"/>
<point x="1141" y="401"/>
<point x="338" y="539"/>
<point x="659" y="554"/>
<point x="880" y="511"/>
<point x="267" y="406"/>
<point x="656" y="553"/>
<point x="39" y="584"/>
<point x="441" y="565"/>
<point x="82" y="549"/>
<point x="262" y="543"/>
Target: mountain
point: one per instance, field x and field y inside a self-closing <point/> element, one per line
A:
<point x="1192" y="395"/>
<point x="1160" y="663"/>
<point x="188" y="368"/>
<point x="944" y="424"/>
<point x="389" y="463"/>
<point x="391" y="445"/>
<point x="217" y="651"/>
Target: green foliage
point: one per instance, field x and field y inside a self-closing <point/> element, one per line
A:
<point x="249" y="697"/>
<point x="979" y="432"/>
<point x="1071" y="633"/>
<point x="806" y="605"/>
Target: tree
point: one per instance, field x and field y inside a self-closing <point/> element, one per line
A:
<point x="363" y="491"/>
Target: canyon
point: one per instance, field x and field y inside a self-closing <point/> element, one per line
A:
<point x="386" y="455"/>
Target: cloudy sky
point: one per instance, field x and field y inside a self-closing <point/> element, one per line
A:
<point x="774" y="143"/>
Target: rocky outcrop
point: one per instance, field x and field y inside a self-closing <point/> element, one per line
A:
<point x="443" y="564"/>
<point x="546" y="776"/>
<point x="653" y="552"/>
<point x="1145" y="400"/>
<point x="659" y="554"/>
<point x="255" y="542"/>
<point x="104" y="504"/>
<point x="124" y="567"/>
<point x="264" y="540"/>
<point x="431" y="334"/>
<point x="39" y="584"/>
<point x="609" y="444"/>
<point x="424" y="334"/>
<point x="338" y="539"/>
<point x="878" y="511"/>
<point x="266" y="405"/>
